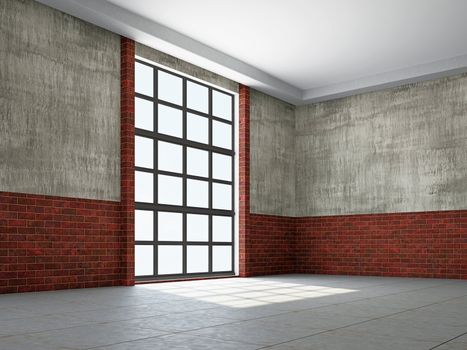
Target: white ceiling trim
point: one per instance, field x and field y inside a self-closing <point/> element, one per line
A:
<point x="155" y="35"/>
<point x="432" y="70"/>
<point x="162" y="38"/>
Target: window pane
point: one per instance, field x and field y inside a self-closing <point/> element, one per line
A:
<point x="221" y="105"/>
<point x="197" y="128"/>
<point x="169" y="226"/>
<point x="169" y="259"/>
<point x="221" y="134"/>
<point x="144" y="225"/>
<point x="170" y="121"/>
<point x="197" y="193"/>
<point x="170" y="157"/>
<point x="144" y="190"/>
<point x="197" y="227"/>
<point x="221" y="167"/>
<point x="221" y="196"/>
<point x="144" y="260"/>
<point x="197" y="259"/>
<point x="170" y="88"/>
<point x="144" y="114"/>
<point x="197" y="97"/>
<point x="170" y="190"/>
<point x="222" y="229"/>
<point x="197" y="162"/>
<point x="221" y="258"/>
<point x="144" y="152"/>
<point x="144" y="79"/>
<point x="184" y="184"/>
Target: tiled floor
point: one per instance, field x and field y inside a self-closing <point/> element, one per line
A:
<point x="279" y="312"/>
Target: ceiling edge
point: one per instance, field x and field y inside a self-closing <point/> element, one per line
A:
<point x="159" y="37"/>
<point x="162" y="38"/>
<point x="414" y="74"/>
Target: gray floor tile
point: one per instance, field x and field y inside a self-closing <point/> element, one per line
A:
<point x="310" y="319"/>
<point x="85" y="337"/>
<point x="181" y="341"/>
<point x="344" y="340"/>
<point x="289" y="311"/>
<point x="174" y="323"/>
<point x="255" y="332"/>
<point x="417" y="330"/>
<point x="38" y="324"/>
<point x="117" y="313"/>
<point x="452" y="346"/>
<point x="24" y="342"/>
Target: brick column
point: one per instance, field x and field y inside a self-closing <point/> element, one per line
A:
<point x="244" y="171"/>
<point x="127" y="152"/>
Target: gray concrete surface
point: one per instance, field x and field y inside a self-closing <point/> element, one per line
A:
<point x="272" y="156"/>
<point x="59" y="104"/>
<point x="277" y="312"/>
<point x="398" y="150"/>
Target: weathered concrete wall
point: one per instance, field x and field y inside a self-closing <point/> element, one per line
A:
<point x="185" y="67"/>
<point x="399" y="150"/>
<point x="59" y="104"/>
<point x="272" y="156"/>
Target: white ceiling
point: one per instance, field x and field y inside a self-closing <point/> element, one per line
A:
<point x="299" y="50"/>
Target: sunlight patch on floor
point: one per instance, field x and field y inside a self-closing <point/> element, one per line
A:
<point x="244" y="293"/>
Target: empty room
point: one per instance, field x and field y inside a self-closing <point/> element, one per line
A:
<point x="249" y="174"/>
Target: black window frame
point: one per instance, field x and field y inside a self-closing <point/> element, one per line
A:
<point x="155" y="207"/>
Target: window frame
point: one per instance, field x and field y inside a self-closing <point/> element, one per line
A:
<point x="155" y="207"/>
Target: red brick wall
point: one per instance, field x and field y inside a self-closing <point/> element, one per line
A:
<point x="49" y="243"/>
<point x="127" y="156"/>
<point x="271" y="245"/>
<point x="428" y="244"/>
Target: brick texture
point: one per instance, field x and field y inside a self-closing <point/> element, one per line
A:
<point x="427" y="244"/>
<point x="49" y="243"/>
<point x="127" y="156"/>
<point x="271" y="245"/>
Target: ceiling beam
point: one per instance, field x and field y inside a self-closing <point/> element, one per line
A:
<point x="423" y="72"/>
<point x="162" y="38"/>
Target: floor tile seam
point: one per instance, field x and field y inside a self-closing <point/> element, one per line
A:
<point x="258" y="318"/>
<point x="448" y="341"/>
<point x="223" y="324"/>
<point x="126" y="341"/>
<point x="337" y="304"/>
<point x="121" y="307"/>
<point x="358" y="323"/>
<point x="234" y="321"/>
<point x="170" y="334"/>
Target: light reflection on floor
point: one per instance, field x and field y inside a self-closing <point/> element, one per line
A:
<point x="245" y="292"/>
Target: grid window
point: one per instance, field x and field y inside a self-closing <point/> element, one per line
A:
<point x="184" y="176"/>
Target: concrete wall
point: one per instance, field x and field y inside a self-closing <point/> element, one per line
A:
<point x="272" y="156"/>
<point x="399" y="150"/>
<point x="59" y="104"/>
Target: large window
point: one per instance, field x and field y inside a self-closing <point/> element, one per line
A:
<point x="184" y="176"/>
